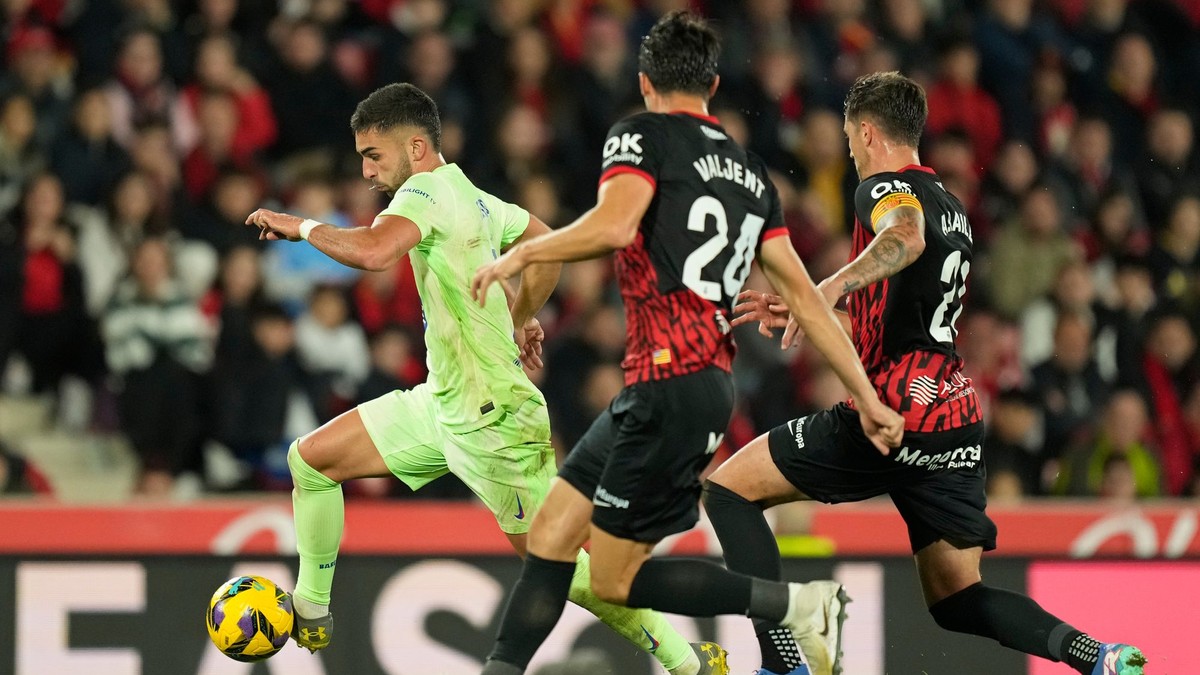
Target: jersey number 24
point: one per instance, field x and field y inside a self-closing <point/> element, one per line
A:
<point x="738" y="267"/>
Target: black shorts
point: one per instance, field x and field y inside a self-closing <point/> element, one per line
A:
<point x="936" y="479"/>
<point x="641" y="459"/>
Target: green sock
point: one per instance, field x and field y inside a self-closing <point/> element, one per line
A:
<point x="646" y="629"/>
<point x="319" y="512"/>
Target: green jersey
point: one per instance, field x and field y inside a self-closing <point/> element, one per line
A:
<point x="474" y="370"/>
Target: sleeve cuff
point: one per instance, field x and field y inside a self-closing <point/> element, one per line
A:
<point x="628" y="169"/>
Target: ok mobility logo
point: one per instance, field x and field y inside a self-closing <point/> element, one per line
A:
<point x="959" y="458"/>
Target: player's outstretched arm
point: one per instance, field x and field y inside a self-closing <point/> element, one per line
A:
<point x="899" y="240"/>
<point x="536" y="285"/>
<point x="815" y="317"/>
<point x="611" y="224"/>
<point x="375" y="248"/>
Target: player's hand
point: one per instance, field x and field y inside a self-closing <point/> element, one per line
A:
<point x="767" y="309"/>
<point x="881" y="424"/>
<point x="529" y="340"/>
<point x="273" y="225"/>
<point x="508" y="265"/>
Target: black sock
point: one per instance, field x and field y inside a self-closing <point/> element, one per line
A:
<point x="536" y="602"/>
<point x="749" y="547"/>
<point x="690" y="587"/>
<point x="1012" y="619"/>
<point x="1082" y="651"/>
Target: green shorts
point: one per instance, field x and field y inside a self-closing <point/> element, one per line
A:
<point x="508" y="463"/>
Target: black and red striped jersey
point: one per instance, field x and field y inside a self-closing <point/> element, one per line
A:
<point x="713" y="207"/>
<point x="904" y="326"/>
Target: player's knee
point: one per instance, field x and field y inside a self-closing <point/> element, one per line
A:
<point x="612" y="590"/>
<point x="548" y="540"/>
<point x="717" y="497"/>
<point x="308" y="470"/>
<point x="959" y="612"/>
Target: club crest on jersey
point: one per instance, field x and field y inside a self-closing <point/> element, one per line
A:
<point x="624" y="148"/>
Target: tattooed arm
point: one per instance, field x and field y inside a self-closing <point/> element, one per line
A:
<point x="900" y="240"/>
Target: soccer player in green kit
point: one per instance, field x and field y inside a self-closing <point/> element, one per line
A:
<point x="478" y="415"/>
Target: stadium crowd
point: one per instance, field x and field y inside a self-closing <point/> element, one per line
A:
<point x="136" y="135"/>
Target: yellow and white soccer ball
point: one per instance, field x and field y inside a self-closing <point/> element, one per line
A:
<point x="249" y="618"/>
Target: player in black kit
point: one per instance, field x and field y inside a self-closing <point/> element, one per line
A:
<point x="688" y="211"/>
<point x="905" y="282"/>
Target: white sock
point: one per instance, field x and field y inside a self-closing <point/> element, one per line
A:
<point x="689" y="667"/>
<point x="308" y="610"/>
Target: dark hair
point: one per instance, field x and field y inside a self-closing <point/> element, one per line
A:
<point x="395" y="105"/>
<point x="680" y="54"/>
<point x="892" y="102"/>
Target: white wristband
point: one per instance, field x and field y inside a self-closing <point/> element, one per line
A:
<point x="306" y="228"/>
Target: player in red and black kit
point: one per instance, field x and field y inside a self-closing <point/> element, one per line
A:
<point x="688" y="211"/>
<point x="905" y="284"/>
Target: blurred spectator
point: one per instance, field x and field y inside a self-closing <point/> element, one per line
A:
<point x="218" y="120"/>
<point x="247" y="20"/>
<point x="141" y="92"/>
<point x="1114" y="232"/>
<point x="598" y="339"/>
<point x="1131" y="96"/>
<point x="773" y="100"/>
<point x="1056" y="113"/>
<point x="952" y="156"/>
<point x="1175" y="258"/>
<point x="1169" y="168"/>
<point x="312" y="103"/>
<point x="394" y="365"/>
<point x="1135" y="300"/>
<point x="431" y="64"/>
<point x="1011" y="35"/>
<point x="1171" y="371"/>
<point x="86" y="157"/>
<point x="293" y="269"/>
<point x="20" y="155"/>
<point x="1004" y="188"/>
<point x="388" y="297"/>
<point x="33" y="72"/>
<point x="160" y="16"/>
<point x="261" y="400"/>
<point x="108" y="238"/>
<point x="956" y="101"/>
<point x="831" y="177"/>
<point x="1016" y="440"/>
<point x="49" y="325"/>
<point x="1087" y="171"/>
<point x="218" y="70"/>
<point x="220" y="221"/>
<point x="840" y="36"/>
<point x="1069" y="383"/>
<point x="607" y="81"/>
<point x="991" y="349"/>
<point x="522" y="148"/>
<point x="907" y="28"/>
<point x="153" y="154"/>
<point x="1028" y="253"/>
<point x="1073" y="293"/>
<point x="158" y="344"/>
<point x="1116" y="456"/>
<point x="232" y="302"/>
<point x="332" y="347"/>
